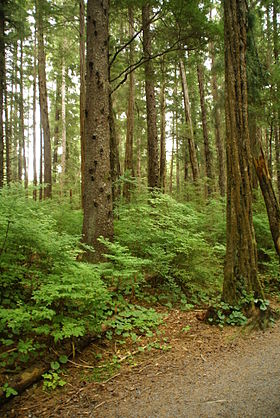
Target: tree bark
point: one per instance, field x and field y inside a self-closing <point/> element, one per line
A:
<point x="35" y="182"/>
<point x="82" y="93"/>
<point x="114" y="153"/>
<point x="271" y="203"/>
<point x="153" y="157"/>
<point x="63" y="123"/>
<point x="43" y="98"/>
<point x="2" y="78"/>
<point x="162" y="164"/>
<point x="41" y="174"/>
<point x="56" y="128"/>
<point x="277" y="90"/>
<point x="240" y="271"/>
<point x="22" y="147"/>
<point x="217" y="124"/>
<point x="128" y="161"/>
<point x="207" y="150"/>
<point x="98" y="208"/>
<point x="192" y="151"/>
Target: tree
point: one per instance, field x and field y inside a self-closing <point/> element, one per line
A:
<point x="82" y="91"/>
<point x="153" y="157"/>
<point x="2" y="75"/>
<point x="97" y="198"/>
<point x="44" y="101"/>
<point x="240" y="271"/>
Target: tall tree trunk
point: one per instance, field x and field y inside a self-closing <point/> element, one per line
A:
<point x="63" y="124"/>
<point x="192" y="150"/>
<point x="128" y="161"/>
<point x="207" y="150"/>
<point x="7" y="131"/>
<point x="217" y="124"/>
<point x="56" y="127"/>
<point x="277" y="90"/>
<point x="82" y="93"/>
<point x="43" y="98"/>
<point x="153" y="160"/>
<point x="162" y="164"/>
<point x="2" y="78"/>
<point x="98" y="208"/>
<point x="34" y="116"/>
<point x="22" y="147"/>
<point x="240" y="271"/>
<point x="177" y="159"/>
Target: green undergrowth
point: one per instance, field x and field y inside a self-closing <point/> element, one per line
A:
<point x="165" y="253"/>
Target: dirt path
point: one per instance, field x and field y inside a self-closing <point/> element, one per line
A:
<point x="207" y="373"/>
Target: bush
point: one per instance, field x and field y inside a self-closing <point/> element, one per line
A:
<point x="45" y="294"/>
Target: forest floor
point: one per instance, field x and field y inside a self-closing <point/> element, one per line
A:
<point x="197" y="370"/>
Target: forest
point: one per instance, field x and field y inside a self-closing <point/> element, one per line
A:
<point x="139" y="175"/>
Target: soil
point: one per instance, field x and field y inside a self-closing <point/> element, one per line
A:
<point x="203" y="371"/>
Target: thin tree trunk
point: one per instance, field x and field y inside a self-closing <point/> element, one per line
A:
<point x="41" y="174"/>
<point x="207" y="150"/>
<point x="162" y="164"/>
<point x="128" y="161"/>
<point x="271" y="203"/>
<point x="153" y="160"/>
<point x="240" y="271"/>
<point x="98" y="205"/>
<point x="192" y="150"/>
<point x="56" y="128"/>
<point x="43" y="98"/>
<point x="217" y="123"/>
<point x="114" y="153"/>
<point x="172" y="157"/>
<point x="7" y="132"/>
<point x="82" y="93"/>
<point x="34" y="116"/>
<point x="2" y="79"/>
<point x="21" y="163"/>
<point x="63" y="124"/>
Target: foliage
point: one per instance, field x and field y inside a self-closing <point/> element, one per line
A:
<point x="52" y="378"/>
<point x="44" y="292"/>
<point x="168" y="236"/>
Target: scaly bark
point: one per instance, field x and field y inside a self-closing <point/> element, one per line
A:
<point x="82" y="93"/>
<point x="98" y="207"/>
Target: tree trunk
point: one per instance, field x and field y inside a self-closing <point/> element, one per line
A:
<point x="43" y="98"/>
<point x="82" y="93"/>
<point x="153" y="160"/>
<point x="128" y="161"/>
<point x="172" y="157"/>
<point x="41" y="174"/>
<point x="217" y="124"/>
<point x="22" y="150"/>
<point x="98" y="208"/>
<point x="2" y="78"/>
<point x="35" y="182"/>
<point x="7" y="131"/>
<point x="277" y="90"/>
<point x="56" y="128"/>
<point x="114" y="153"/>
<point x="240" y="271"/>
<point x="63" y="124"/>
<point x="207" y="150"/>
<point x="192" y="151"/>
<point x="271" y="203"/>
<point x="162" y="164"/>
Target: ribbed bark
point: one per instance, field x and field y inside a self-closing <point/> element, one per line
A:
<point x="128" y="160"/>
<point x="207" y="150"/>
<point x="192" y="150"/>
<point x="43" y="98"/>
<point x="153" y="157"/>
<point x="82" y="93"/>
<point x="240" y="271"/>
<point x="98" y="208"/>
